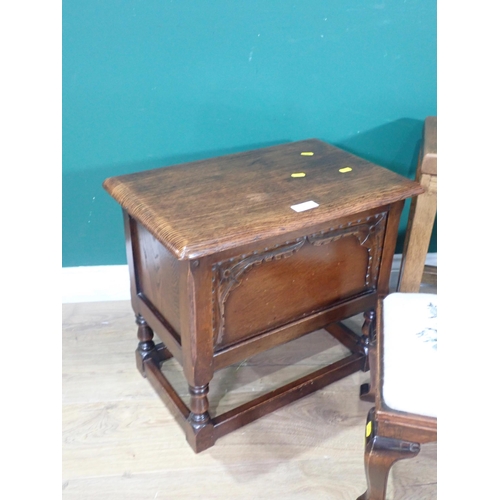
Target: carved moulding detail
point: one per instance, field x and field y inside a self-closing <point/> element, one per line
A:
<point x="369" y="232"/>
<point x="226" y="275"/>
<point x="229" y="274"/>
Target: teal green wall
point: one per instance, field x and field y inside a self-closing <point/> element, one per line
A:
<point x="158" y="82"/>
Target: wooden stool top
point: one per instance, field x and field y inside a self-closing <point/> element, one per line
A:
<point x="203" y="207"/>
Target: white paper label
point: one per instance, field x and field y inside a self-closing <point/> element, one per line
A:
<point x="307" y="205"/>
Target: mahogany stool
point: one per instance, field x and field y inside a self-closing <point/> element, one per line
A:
<point x="406" y="394"/>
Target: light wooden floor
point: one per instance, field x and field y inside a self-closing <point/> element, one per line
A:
<point x="120" y="442"/>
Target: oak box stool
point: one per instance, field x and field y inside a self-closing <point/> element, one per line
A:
<point x="232" y="256"/>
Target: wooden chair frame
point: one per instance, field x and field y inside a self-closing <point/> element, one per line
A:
<point x="423" y="211"/>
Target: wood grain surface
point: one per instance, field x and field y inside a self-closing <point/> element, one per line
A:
<point x="200" y="208"/>
<point x="120" y="442"/>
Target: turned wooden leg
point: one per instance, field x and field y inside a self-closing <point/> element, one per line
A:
<point x="367" y="391"/>
<point x="199" y="415"/>
<point x="368" y="330"/>
<point x="146" y="348"/>
<point x="200" y="429"/>
<point x="380" y="455"/>
<point x="146" y="345"/>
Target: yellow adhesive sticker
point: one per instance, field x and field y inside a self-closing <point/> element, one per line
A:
<point x="345" y="169"/>
<point x="368" y="429"/>
<point x="299" y="174"/>
<point x="307" y="153"/>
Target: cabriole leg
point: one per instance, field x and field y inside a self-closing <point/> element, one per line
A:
<point x="380" y="455"/>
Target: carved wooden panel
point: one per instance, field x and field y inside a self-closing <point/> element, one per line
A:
<point x="266" y="289"/>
